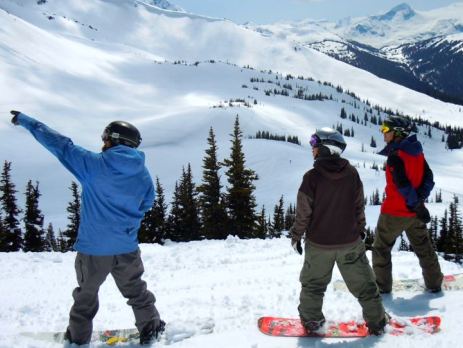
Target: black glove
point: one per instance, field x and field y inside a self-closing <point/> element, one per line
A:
<point x="363" y="236"/>
<point x="15" y="114"/>
<point x="422" y="213"/>
<point x="296" y="244"/>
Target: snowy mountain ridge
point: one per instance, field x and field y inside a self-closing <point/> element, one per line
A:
<point x="166" y="5"/>
<point x="394" y="46"/>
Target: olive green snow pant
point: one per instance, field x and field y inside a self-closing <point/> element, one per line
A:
<point x="389" y="227"/>
<point x="91" y="272"/>
<point x="356" y="272"/>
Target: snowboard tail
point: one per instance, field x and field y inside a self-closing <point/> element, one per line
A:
<point x="291" y="327"/>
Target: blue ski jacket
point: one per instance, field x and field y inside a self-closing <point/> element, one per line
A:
<point x="117" y="190"/>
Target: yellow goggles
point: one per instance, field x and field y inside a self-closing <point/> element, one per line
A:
<point x="384" y="129"/>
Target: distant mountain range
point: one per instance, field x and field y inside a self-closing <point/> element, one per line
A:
<point x="166" y="5"/>
<point x="420" y="50"/>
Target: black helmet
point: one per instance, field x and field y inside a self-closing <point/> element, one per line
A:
<point x="329" y="140"/>
<point x="400" y="125"/>
<point x="121" y="132"/>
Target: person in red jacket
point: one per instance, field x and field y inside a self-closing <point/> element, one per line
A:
<point x="409" y="181"/>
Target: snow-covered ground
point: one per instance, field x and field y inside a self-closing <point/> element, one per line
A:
<point x="227" y="283"/>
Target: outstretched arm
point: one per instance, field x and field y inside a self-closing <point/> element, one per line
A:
<point x="76" y="159"/>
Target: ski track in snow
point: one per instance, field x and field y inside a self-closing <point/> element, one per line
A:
<point x="225" y="284"/>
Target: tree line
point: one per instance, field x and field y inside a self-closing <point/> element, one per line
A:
<point x="34" y="236"/>
<point x="197" y="212"/>
<point x="269" y="136"/>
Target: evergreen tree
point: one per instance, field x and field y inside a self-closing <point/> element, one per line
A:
<point x="278" y="220"/>
<point x="343" y="113"/>
<point x="70" y="234"/>
<point x="153" y="228"/>
<point x="442" y="241"/>
<point x="290" y="217"/>
<point x="159" y="213"/>
<point x="262" y="225"/>
<point x="375" y="200"/>
<point x="438" y="196"/>
<point x="240" y="200"/>
<point x="212" y="207"/>
<point x="403" y="244"/>
<point x="11" y="238"/>
<point x="173" y="221"/>
<point x="184" y="225"/>
<point x="2" y="230"/>
<point x="61" y="242"/>
<point x="34" y="236"/>
<point x="190" y="204"/>
<point x="50" y="240"/>
<point x="145" y="231"/>
<point x="454" y="240"/>
<point x="369" y="238"/>
<point x="373" y="142"/>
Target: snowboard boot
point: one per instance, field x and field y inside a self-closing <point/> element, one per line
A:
<point x="67" y="336"/>
<point x="151" y="333"/>
<point x="377" y="329"/>
<point x="68" y="339"/>
<point x="434" y="290"/>
<point x="313" y="325"/>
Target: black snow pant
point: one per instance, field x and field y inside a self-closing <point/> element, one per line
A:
<point x="91" y="272"/>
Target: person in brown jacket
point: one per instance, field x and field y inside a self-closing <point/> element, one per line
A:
<point x="330" y="214"/>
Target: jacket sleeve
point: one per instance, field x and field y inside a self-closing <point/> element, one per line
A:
<point x="74" y="158"/>
<point x="400" y="179"/>
<point x="360" y="206"/>
<point x="424" y="190"/>
<point x="303" y="210"/>
<point x="148" y="200"/>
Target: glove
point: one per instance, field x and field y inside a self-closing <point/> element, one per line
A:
<point x="296" y="244"/>
<point x="363" y="236"/>
<point x="15" y="114"/>
<point x="422" y="213"/>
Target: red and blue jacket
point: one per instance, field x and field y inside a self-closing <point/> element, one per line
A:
<point x="409" y="180"/>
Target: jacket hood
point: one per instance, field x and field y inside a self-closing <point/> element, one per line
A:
<point x="122" y="159"/>
<point x="332" y="167"/>
<point x="410" y="145"/>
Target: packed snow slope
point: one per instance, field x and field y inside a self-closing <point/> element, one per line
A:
<point x="226" y="284"/>
<point x="77" y="66"/>
<point x="117" y="28"/>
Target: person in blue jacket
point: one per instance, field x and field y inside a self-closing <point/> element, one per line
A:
<point x="117" y="190"/>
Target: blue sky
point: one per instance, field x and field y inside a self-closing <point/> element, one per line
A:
<point x="269" y="11"/>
